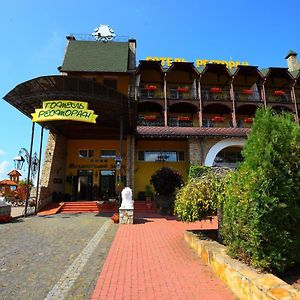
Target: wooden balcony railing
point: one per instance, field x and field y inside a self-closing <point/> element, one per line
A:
<point x="215" y="94"/>
<point x="280" y="96"/>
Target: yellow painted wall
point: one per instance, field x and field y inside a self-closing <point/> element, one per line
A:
<point x="144" y="170"/>
<point x="73" y="147"/>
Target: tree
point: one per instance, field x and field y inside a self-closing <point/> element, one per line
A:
<point x="261" y="213"/>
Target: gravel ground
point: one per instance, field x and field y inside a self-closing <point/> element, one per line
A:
<point x="36" y="252"/>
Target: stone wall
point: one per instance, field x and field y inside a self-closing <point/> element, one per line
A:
<point x="53" y="170"/>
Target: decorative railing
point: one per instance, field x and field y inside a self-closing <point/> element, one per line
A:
<point x="182" y="93"/>
<point x="217" y="122"/>
<point x="247" y="95"/>
<point x="279" y="95"/>
<point x="150" y="120"/>
<point x="180" y="122"/>
<point x="215" y="94"/>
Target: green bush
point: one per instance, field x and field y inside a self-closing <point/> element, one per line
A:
<point x="197" y="171"/>
<point x="261" y="213"/>
<point x="199" y="198"/>
<point x="165" y="181"/>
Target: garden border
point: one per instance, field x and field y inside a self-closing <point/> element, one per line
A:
<point x="244" y="281"/>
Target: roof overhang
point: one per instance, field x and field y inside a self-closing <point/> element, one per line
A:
<point x="111" y="106"/>
<point x="190" y="132"/>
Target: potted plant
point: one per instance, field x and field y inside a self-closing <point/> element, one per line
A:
<point x="165" y="181"/>
<point x="148" y="195"/>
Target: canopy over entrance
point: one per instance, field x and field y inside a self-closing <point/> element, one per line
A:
<point x="111" y="106"/>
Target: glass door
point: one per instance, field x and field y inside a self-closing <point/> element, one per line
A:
<point x="85" y="184"/>
<point x="107" y="184"/>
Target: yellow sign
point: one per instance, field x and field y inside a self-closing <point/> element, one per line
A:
<point x="57" y="110"/>
<point x="167" y="61"/>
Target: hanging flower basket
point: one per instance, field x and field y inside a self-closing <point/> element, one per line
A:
<point x="248" y="120"/>
<point x="150" y="118"/>
<point x="151" y="88"/>
<point x="182" y="90"/>
<point x="247" y="92"/>
<point x="279" y="93"/>
<point x="218" y="119"/>
<point x="183" y="118"/>
<point x="216" y="90"/>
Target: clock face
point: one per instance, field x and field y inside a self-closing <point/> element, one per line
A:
<point x="103" y="33"/>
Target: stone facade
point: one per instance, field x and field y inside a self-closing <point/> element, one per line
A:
<point x="53" y="171"/>
<point x="125" y="216"/>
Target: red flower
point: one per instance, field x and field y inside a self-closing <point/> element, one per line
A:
<point x="115" y="217"/>
<point x="150" y="87"/>
<point x="247" y="91"/>
<point x="5" y="219"/>
<point x="279" y="93"/>
<point x="184" y="118"/>
<point x="216" y="90"/>
<point x="218" y="119"/>
<point x="182" y="89"/>
<point x="248" y="120"/>
<point x="150" y="118"/>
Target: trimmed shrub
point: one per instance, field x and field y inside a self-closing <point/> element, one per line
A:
<point x="200" y="197"/>
<point x="261" y="212"/>
<point x="165" y="181"/>
<point x="197" y="171"/>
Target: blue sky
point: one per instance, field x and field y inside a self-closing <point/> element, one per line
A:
<point x="32" y="41"/>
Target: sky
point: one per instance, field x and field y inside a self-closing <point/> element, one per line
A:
<point x="33" y="41"/>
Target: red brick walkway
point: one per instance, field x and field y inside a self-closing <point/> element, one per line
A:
<point x="151" y="260"/>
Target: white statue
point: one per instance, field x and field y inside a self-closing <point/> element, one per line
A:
<point x="103" y="33"/>
<point x="127" y="201"/>
<point x="2" y="200"/>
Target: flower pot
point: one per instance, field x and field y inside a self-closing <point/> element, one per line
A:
<point x="279" y="93"/>
<point x="247" y="92"/>
<point x="182" y="90"/>
<point x="216" y="90"/>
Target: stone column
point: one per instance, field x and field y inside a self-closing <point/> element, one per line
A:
<point x="132" y="167"/>
<point x="128" y="161"/>
<point x="195" y="153"/>
<point x="53" y="170"/>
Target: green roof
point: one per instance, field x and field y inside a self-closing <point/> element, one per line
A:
<point x="91" y="56"/>
<point x="291" y="52"/>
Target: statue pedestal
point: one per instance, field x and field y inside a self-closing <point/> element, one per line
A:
<point x="125" y="215"/>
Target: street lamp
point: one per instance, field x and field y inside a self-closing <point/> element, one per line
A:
<point x="33" y="167"/>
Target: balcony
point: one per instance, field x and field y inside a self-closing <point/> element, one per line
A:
<point x="146" y="92"/>
<point x="279" y="96"/>
<point x="182" y="93"/>
<point x="150" y="120"/>
<point x="180" y="121"/>
<point x="216" y="121"/>
<point x="247" y="95"/>
<point x="215" y="94"/>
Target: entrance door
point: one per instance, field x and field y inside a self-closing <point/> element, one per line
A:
<point x="107" y="184"/>
<point x="85" y="184"/>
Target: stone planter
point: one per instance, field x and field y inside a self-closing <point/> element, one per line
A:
<point x="244" y="281"/>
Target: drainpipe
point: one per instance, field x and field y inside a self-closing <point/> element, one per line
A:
<point x="263" y="93"/>
<point x="293" y="95"/>
<point x="200" y="101"/>
<point x="166" y="103"/>
<point x="233" y="103"/>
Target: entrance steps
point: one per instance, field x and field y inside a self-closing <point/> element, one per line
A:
<point x="93" y="207"/>
<point x="80" y="207"/>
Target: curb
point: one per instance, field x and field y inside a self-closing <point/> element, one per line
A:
<point x="245" y="282"/>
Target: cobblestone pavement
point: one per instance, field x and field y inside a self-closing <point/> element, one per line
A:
<point x="35" y="252"/>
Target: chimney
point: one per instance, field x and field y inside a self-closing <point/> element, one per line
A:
<point x="132" y="54"/>
<point x="292" y="61"/>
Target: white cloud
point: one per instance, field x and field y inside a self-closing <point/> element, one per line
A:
<point x="4" y="169"/>
<point x="1" y="152"/>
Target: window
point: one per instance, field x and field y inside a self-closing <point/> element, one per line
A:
<point x="108" y="153"/>
<point x="86" y="153"/>
<point x="169" y="156"/>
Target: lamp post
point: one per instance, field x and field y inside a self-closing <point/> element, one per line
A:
<point x="33" y="167"/>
